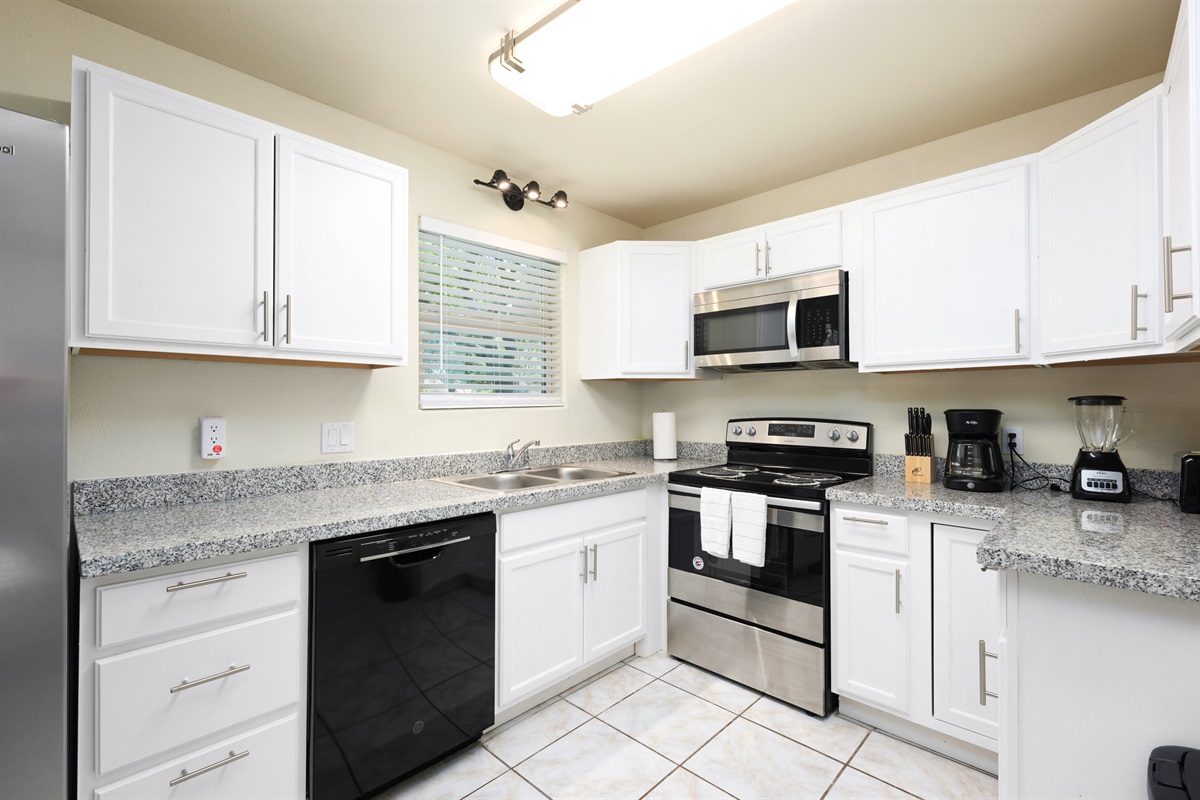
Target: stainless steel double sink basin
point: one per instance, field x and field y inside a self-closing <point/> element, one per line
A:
<point x="531" y="478"/>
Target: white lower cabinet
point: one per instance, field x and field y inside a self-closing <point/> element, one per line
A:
<point x="910" y="606"/>
<point x="202" y="692"/>
<point x="965" y="633"/>
<point x="572" y="589"/>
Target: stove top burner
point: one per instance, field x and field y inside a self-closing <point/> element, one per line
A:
<point x="808" y="479"/>
<point x="728" y="471"/>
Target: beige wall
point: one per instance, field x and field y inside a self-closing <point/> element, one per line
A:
<point x="1034" y="399"/>
<point x="138" y="416"/>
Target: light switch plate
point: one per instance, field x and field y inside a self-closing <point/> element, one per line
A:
<point x="337" y="437"/>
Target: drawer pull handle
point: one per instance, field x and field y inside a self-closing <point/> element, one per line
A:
<point x="184" y="775"/>
<point x="228" y="576"/>
<point x="218" y="676"/>
<point x="864" y="519"/>
<point x="984" y="694"/>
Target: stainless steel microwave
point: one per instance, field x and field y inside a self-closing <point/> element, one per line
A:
<point x="787" y="323"/>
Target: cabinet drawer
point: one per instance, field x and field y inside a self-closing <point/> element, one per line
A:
<point x="138" y="714"/>
<point x="540" y="525"/>
<point x="129" y="611"/>
<point x="871" y="530"/>
<point x="270" y="769"/>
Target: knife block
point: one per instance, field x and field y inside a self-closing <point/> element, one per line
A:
<point x="919" y="469"/>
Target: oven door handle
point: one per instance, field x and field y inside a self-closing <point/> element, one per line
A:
<point x="784" y="518"/>
<point x="793" y="309"/>
<point x="678" y="497"/>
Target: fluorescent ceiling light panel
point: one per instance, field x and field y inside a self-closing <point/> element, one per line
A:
<point x="587" y="50"/>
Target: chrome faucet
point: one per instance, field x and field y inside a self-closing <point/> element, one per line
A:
<point x="513" y="457"/>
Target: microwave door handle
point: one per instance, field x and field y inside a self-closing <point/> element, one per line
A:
<point x="793" y="308"/>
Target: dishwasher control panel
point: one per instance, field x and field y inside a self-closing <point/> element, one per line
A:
<point x="409" y="542"/>
<point x="398" y="541"/>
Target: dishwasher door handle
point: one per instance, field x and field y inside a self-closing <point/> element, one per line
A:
<point x="416" y="550"/>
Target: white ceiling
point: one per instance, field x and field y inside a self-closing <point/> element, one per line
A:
<point x="818" y="86"/>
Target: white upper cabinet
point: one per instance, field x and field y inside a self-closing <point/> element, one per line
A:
<point x="1181" y="190"/>
<point x="195" y="225"/>
<point x="800" y="244"/>
<point x="179" y="216"/>
<point x="636" y="310"/>
<point x="1099" y="226"/>
<point x="340" y="250"/>
<point x="945" y="270"/>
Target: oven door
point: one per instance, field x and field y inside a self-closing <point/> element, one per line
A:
<point x="772" y="325"/>
<point x="787" y="594"/>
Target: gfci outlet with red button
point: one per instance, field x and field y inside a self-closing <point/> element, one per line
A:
<point x="212" y="437"/>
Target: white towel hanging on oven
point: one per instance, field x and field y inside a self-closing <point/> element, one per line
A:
<point x="714" y="521"/>
<point x="749" y="528"/>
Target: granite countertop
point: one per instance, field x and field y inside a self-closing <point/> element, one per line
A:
<point x="162" y="535"/>
<point x="1147" y="545"/>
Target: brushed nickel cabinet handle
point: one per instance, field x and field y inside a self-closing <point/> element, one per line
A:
<point x="1133" y="315"/>
<point x="1169" y="296"/>
<point x="595" y="561"/>
<point x="184" y="775"/>
<point x="897" y="591"/>
<point x="1017" y="327"/>
<point x="289" y="320"/>
<point x="266" y="316"/>
<point x="757" y="247"/>
<point x="865" y="519"/>
<point x="584" y="574"/>
<point x="687" y="353"/>
<point x="984" y="694"/>
<point x="216" y="677"/>
<point x="767" y="259"/>
<point x="228" y="576"/>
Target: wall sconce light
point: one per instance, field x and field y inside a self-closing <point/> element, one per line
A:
<point x="515" y="197"/>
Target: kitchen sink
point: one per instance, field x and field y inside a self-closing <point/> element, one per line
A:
<point x="576" y="473"/>
<point x="530" y="479"/>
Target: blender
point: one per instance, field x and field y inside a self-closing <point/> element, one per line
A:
<point x="1098" y="473"/>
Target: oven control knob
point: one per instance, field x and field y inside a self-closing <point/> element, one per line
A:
<point x="737" y="430"/>
<point x="852" y="436"/>
<point x="834" y="435"/>
<point x="751" y="431"/>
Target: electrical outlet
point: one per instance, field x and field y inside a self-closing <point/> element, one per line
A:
<point x="1020" y="434"/>
<point x="337" y="437"/>
<point x="212" y="437"/>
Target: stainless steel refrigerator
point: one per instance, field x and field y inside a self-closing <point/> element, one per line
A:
<point x="36" y="575"/>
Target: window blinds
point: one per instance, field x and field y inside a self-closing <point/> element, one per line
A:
<point x="490" y="326"/>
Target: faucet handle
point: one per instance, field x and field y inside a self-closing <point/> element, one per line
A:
<point x="510" y="446"/>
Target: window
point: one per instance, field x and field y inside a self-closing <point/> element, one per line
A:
<point x="490" y="320"/>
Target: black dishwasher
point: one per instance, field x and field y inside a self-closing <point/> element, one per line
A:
<point x="401" y="652"/>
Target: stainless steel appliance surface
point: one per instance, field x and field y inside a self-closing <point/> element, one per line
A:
<point x="36" y="577"/>
<point x="766" y="627"/>
<point x="788" y="323"/>
<point x="402" y="647"/>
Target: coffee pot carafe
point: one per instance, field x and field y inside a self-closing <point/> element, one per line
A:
<point x="974" y="461"/>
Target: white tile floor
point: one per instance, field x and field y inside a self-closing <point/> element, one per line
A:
<point x="659" y="729"/>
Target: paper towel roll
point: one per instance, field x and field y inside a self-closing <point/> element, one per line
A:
<point x="664" y="436"/>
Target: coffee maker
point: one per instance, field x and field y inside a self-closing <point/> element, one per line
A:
<point x="1102" y="424"/>
<point x="974" y="461"/>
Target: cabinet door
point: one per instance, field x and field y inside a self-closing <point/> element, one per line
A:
<point x="340" y="264"/>
<point x="1099" y="224"/>
<point x="655" y="322"/>
<point x="178" y="217"/>
<point x="945" y="272"/>
<point x="965" y="613"/>
<point x="813" y="241"/>
<point x="541" y="606"/>
<point x="870" y="635"/>
<point x="736" y="258"/>
<point x="614" y="604"/>
<point x="1181" y="269"/>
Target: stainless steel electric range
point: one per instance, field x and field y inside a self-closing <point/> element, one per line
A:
<point x="766" y="627"/>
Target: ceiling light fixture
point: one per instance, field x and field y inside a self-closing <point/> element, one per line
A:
<point x="583" y="51"/>
<point x="515" y="198"/>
